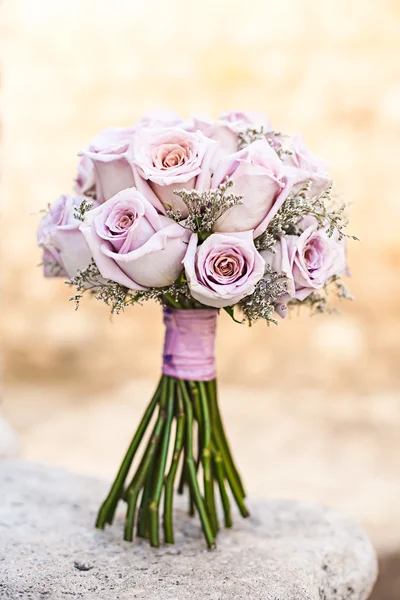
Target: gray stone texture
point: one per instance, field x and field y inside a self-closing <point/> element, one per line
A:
<point x="287" y="550"/>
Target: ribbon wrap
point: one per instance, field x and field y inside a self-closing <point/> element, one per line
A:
<point x="189" y="347"/>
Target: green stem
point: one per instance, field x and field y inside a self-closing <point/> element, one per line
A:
<point x="140" y="476"/>
<point x="169" y="300"/>
<point x="230" y="475"/>
<point x="206" y="458"/>
<point x="194" y="395"/>
<point x="183" y="476"/>
<point x="218" y="426"/>
<point x="205" y="522"/>
<point x="107" y="509"/>
<point x="169" y="483"/>
<point x="154" y="504"/>
<point x="143" y="514"/>
<point x="219" y="472"/>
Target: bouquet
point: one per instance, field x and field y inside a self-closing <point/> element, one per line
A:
<point x="198" y="215"/>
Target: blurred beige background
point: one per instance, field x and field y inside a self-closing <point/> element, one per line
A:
<point x="314" y="404"/>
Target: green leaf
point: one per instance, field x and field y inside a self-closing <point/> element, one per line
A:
<point x="230" y="311"/>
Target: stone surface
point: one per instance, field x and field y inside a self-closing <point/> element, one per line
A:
<point x="287" y="550"/>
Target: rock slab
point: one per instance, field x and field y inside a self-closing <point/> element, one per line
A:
<point x="287" y="550"/>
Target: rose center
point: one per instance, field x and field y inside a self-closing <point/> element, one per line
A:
<point x="120" y="221"/>
<point x="170" y="155"/>
<point x="314" y="255"/>
<point x="227" y="268"/>
<point x="126" y="221"/>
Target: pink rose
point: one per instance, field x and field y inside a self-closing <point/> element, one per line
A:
<point x="302" y="165"/>
<point x="132" y="244"/>
<point x="223" y="269"/>
<point x="64" y="248"/>
<point x="159" y="118"/>
<point x="257" y="175"/>
<point x="279" y="262"/>
<point x="168" y="159"/>
<point x="85" y="181"/>
<point x="226" y="129"/>
<point x="302" y="158"/>
<point x="296" y="178"/>
<point x="308" y="260"/>
<point x="217" y="131"/>
<point x="107" y="151"/>
<point x="240" y="121"/>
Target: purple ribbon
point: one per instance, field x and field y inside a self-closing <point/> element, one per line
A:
<point x="189" y="344"/>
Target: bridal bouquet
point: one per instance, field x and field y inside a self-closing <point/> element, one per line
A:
<point x="199" y="215"/>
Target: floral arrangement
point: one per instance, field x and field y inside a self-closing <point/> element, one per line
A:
<point x="199" y="215"/>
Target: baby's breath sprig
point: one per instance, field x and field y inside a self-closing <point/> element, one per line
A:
<point x="261" y="303"/>
<point x="339" y="288"/>
<point x="250" y="135"/>
<point x="54" y="267"/>
<point x="317" y="302"/>
<point x="82" y="209"/>
<point x="301" y="204"/>
<point x="91" y="281"/>
<point x="265" y="241"/>
<point x="41" y="211"/>
<point x="176" y="295"/>
<point x="118" y="297"/>
<point x="279" y="142"/>
<point x="275" y="139"/>
<point x="320" y="301"/>
<point x="296" y="206"/>
<point x="204" y="208"/>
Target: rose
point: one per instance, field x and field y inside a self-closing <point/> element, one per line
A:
<point x="315" y="258"/>
<point x="240" y="120"/>
<point x="278" y="261"/>
<point x="226" y="129"/>
<point x="64" y="248"/>
<point x="223" y="269"/>
<point x="107" y="151"/>
<point x="132" y="244"/>
<point x="169" y="159"/>
<point x="302" y="165"/>
<point x="296" y="179"/>
<point x="301" y="157"/>
<point x="85" y="181"/>
<point x="159" y="118"/>
<point x="308" y="260"/>
<point x="257" y="175"/>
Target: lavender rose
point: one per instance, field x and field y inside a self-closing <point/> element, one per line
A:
<point x="64" y="248"/>
<point x="223" y="269"/>
<point x="168" y="159"/>
<point x="160" y="118"/>
<point x="308" y="260"/>
<point x="302" y="158"/>
<point x="85" y="180"/>
<point x="132" y="244"/>
<point x="227" y="128"/>
<point x="112" y="171"/>
<point x="257" y="175"/>
<point x="240" y="120"/>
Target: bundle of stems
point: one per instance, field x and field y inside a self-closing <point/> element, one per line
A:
<point x="197" y="444"/>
